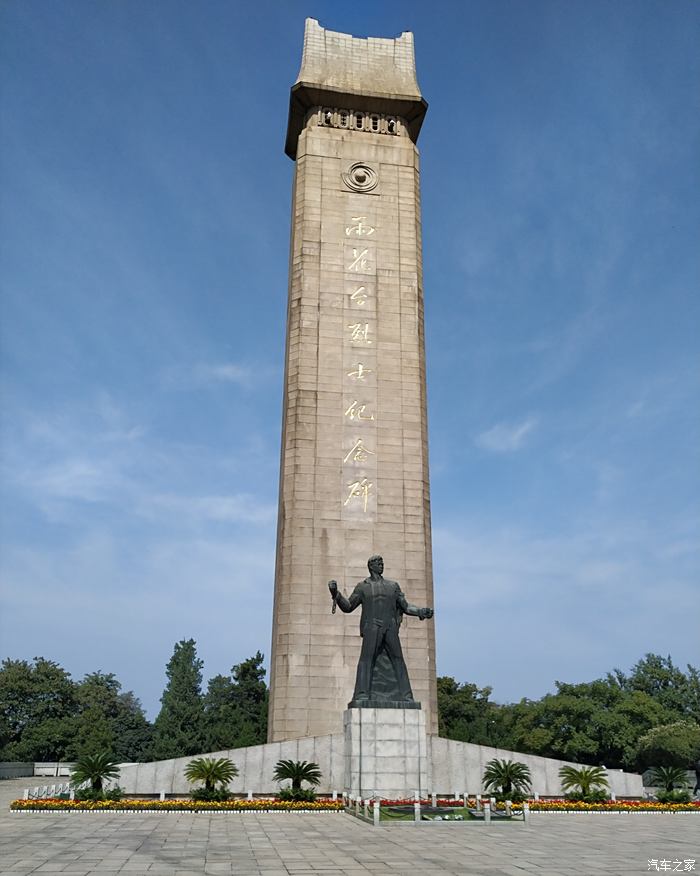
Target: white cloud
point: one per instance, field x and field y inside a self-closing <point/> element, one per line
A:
<point x="63" y="464"/>
<point x="236" y="508"/>
<point x="242" y="374"/>
<point x="506" y="437"/>
<point x="80" y="479"/>
<point x="227" y="372"/>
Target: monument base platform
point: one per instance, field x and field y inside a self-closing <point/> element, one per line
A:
<point x="386" y="752"/>
<point x="449" y="768"/>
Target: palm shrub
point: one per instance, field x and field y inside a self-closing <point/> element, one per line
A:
<point x="673" y="784"/>
<point x="584" y="783"/>
<point x="669" y="778"/>
<point x="212" y="771"/>
<point x="297" y="771"/>
<point x="95" y="769"/>
<point x="511" y="780"/>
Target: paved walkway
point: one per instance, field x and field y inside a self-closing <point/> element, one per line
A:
<point x="337" y="844"/>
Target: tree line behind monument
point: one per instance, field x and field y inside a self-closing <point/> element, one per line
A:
<point x="647" y="717"/>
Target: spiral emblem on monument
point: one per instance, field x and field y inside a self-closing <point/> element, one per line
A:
<point x="360" y="177"/>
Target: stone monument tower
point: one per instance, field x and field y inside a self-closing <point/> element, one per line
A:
<point x="354" y="468"/>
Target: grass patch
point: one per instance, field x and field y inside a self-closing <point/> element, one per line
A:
<point x="444" y="813"/>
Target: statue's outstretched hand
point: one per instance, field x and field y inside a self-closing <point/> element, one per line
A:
<point x="425" y="613"/>
<point x="333" y="587"/>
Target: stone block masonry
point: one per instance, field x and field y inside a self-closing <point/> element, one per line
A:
<point x="354" y="467"/>
<point x="386" y="753"/>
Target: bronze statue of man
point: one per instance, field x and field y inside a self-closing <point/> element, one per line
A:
<point x="382" y="678"/>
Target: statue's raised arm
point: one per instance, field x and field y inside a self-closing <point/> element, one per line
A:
<point x="346" y="605"/>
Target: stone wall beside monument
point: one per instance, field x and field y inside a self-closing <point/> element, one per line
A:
<point x="454" y="767"/>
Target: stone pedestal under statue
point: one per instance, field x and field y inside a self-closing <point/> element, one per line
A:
<point x="386" y="752"/>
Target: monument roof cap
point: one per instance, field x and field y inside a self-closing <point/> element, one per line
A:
<point x="372" y="74"/>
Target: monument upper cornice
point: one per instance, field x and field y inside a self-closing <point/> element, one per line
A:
<point x="370" y="74"/>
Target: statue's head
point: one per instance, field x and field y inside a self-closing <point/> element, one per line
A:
<point x="376" y="564"/>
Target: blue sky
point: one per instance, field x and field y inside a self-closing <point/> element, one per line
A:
<point x="145" y="230"/>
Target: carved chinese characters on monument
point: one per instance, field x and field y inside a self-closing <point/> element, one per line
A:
<point x="358" y="452"/>
<point x="360" y="372"/>
<point x="359" y="481"/>
<point x="360" y="261"/>
<point x="360" y="228"/>
<point x="356" y="411"/>
<point x="359" y="296"/>
<point x="359" y="333"/>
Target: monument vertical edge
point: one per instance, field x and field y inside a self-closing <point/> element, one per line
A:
<point x="354" y="460"/>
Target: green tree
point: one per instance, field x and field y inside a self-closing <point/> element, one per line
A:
<point x="94" y="732"/>
<point x="220" y="726"/>
<point x="235" y="707"/>
<point x="583" y="780"/>
<point x="251" y="697"/>
<point x="506" y="777"/>
<point x="178" y="730"/>
<point x="37" y="702"/>
<point x="212" y="771"/>
<point x="619" y="728"/>
<point x="465" y="712"/>
<point x="297" y="771"/>
<point x="666" y="684"/>
<point x="559" y="725"/>
<point x="600" y="721"/>
<point x="132" y="729"/>
<point x="676" y="744"/>
<point x="109" y="720"/>
<point x="44" y="715"/>
<point x="595" y="721"/>
<point x="96" y="769"/>
<point x="50" y="740"/>
<point x="693" y="693"/>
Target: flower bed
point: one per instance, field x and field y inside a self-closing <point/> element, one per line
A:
<point x="611" y="806"/>
<point x="563" y="805"/>
<point x="53" y="804"/>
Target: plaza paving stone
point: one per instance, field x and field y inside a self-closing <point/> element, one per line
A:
<point x="335" y="845"/>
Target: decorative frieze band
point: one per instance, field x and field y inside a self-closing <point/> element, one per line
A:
<point x="357" y="120"/>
